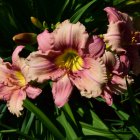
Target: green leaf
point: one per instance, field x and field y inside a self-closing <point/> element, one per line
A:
<point x="125" y="117"/>
<point x="65" y="4"/>
<point x="70" y="132"/>
<point x="68" y="110"/>
<point x="8" y="131"/>
<point x="2" y="110"/>
<point x="44" y="119"/>
<point x="80" y="12"/>
<point x="132" y="2"/>
<point x="89" y="130"/>
<point x="97" y="122"/>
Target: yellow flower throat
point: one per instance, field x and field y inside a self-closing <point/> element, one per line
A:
<point x="20" y="78"/>
<point x="69" y="60"/>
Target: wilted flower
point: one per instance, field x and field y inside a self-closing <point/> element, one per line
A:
<point x="14" y="84"/>
<point x="69" y="57"/>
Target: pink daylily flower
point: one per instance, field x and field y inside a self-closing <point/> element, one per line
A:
<point x="122" y="38"/>
<point x="117" y="69"/>
<point x="118" y="35"/>
<point x="14" y="84"/>
<point x="69" y="57"/>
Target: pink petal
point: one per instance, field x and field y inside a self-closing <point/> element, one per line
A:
<point x="69" y="35"/>
<point x="114" y="37"/>
<point x="91" y="80"/>
<point x="42" y="68"/>
<point x="119" y="83"/>
<point x="107" y="95"/>
<point x="33" y="92"/>
<point x="128" y="20"/>
<point x="119" y="31"/>
<point x="15" y="56"/>
<point x="6" y="91"/>
<point x="61" y="90"/>
<point x="96" y="46"/>
<point x="116" y="64"/>
<point x="113" y="15"/>
<point x="19" y="63"/>
<point x="109" y="60"/>
<point x="5" y="71"/>
<point x="16" y="101"/>
<point x="45" y="41"/>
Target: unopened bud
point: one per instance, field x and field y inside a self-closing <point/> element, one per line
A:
<point x="25" y="38"/>
<point x="37" y="23"/>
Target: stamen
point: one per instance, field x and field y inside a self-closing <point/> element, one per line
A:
<point x="70" y="61"/>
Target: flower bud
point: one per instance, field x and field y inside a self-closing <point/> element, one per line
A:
<point x="25" y="38"/>
<point x="37" y="23"/>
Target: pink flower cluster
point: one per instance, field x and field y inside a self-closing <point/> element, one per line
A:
<point x="69" y="56"/>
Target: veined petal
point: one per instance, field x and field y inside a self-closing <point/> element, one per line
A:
<point x="15" y="56"/>
<point x="16" y="101"/>
<point x="68" y="35"/>
<point x="45" y="41"/>
<point x="5" y="72"/>
<point x="6" y="91"/>
<point x="119" y="32"/>
<point x="114" y="37"/>
<point x="91" y="80"/>
<point x="61" y="90"/>
<point x="113" y="15"/>
<point x="109" y="60"/>
<point x="116" y="64"/>
<point x="19" y="63"/>
<point x="41" y="68"/>
<point x="95" y="46"/>
<point x="33" y="92"/>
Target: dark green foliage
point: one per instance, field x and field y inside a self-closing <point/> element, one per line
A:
<point x="80" y="119"/>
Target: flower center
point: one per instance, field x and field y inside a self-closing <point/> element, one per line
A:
<point x="20" y="78"/>
<point x="69" y="60"/>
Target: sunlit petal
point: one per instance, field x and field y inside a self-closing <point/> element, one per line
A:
<point x="16" y="101"/>
<point x="33" y="92"/>
<point x="114" y="37"/>
<point x="61" y="90"/>
<point x="91" y="80"/>
<point x="68" y="35"/>
<point x="41" y="68"/>
<point x="6" y="91"/>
